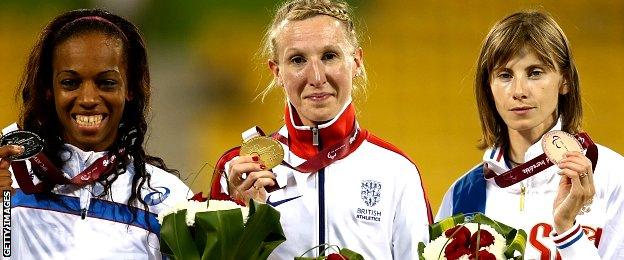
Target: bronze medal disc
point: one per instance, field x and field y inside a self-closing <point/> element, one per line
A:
<point x="268" y="149"/>
<point x="557" y="143"/>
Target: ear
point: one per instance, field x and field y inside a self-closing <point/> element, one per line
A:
<point x="274" y="67"/>
<point x="49" y="95"/>
<point x="564" y="88"/>
<point x="358" y="59"/>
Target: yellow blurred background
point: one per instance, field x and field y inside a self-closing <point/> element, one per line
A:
<point x="420" y="56"/>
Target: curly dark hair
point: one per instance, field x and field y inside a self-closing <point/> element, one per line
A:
<point x="38" y="113"/>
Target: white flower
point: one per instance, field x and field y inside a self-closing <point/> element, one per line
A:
<point x="193" y="207"/>
<point x="435" y="248"/>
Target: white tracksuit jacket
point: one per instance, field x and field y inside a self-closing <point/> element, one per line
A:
<point x="372" y="201"/>
<point x="42" y="228"/>
<point x="603" y="226"/>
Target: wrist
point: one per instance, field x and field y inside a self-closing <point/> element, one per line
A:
<point x="562" y="225"/>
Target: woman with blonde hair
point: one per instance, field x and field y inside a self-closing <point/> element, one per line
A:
<point x="337" y="183"/>
<point x="528" y="94"/>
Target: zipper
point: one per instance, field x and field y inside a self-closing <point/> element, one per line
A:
<point x="321" y="193"/>
<point x="522" y="195"/>
<point x="315" y="136"/>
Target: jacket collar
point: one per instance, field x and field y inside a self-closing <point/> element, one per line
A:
<point x="330" y="133"/>
<point x="496" y="161"/>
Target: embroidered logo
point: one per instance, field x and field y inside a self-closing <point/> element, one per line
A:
<point x="371" y="192"/>
<point x="157" y="196"/>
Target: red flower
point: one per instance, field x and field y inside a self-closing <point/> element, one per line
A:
<point x="460" y="242"/>
<point x="483" y="255"/>
<point x="334" y="256"/>
<point x="486" y="239"/>
<point x="458" y="232"/>
<point x="199" y="197"/>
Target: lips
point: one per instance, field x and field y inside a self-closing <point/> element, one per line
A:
<point x="318" y="96"/>
<point x="521" y="110"/>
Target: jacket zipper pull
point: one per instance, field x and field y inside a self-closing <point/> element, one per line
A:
<point x="522" y="195"/>
<point x="315" y="135"/>
<point x="83" y="213"/>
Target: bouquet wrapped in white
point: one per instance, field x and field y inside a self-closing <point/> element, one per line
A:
<point x="214" y="229"/>
<point x="474" y="237"/>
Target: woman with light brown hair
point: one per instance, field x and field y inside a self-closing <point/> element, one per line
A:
<point x="337" y="183"/>
<point x="540" y="172"/>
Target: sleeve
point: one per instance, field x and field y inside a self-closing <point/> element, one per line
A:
<point x="574" y="244"/>
<point x="611" y="244"/>
<point x="446" y="208"/>
<point x="412" y="217"/>
<point x="218" y="188"/>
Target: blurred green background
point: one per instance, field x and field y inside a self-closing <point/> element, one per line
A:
<point x="420" y="56"/>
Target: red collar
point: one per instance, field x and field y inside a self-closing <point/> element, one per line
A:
<point x="330" y="133"/>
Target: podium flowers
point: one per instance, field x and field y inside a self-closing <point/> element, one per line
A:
<point x="219" y="230"/>
<point x="474" y="237"/>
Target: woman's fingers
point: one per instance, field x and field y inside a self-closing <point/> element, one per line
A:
<point x="6" y="151"/>
<point x="242" y="165"/>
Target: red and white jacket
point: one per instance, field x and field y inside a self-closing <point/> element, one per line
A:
<point x="372" y="201"/>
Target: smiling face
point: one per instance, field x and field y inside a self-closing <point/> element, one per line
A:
<point x="89" y="87"/>
<point x="526" y="92"/>
<point x="316" y="65"/>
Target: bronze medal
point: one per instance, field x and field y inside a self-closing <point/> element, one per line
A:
<point x="268" y="149"/>
<point x="557" y="143"/>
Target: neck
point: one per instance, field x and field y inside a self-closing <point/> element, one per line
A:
<point x="520" y="141"/>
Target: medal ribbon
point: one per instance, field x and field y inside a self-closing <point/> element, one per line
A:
<point x="328" y="155"/>
<point x="101" y="167"/>
<point x="539" y="164"/>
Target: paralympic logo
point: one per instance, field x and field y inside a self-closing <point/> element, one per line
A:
<point x="157" y="196"/>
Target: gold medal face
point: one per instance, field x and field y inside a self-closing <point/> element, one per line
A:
<point x="557" y="143"/>
<point x="268" y="149"/>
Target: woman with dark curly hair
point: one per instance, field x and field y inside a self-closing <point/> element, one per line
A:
<point x="93" y="191"/>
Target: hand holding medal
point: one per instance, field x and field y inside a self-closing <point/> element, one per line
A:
<point x="576" y="188"/>
<point x="16" y="146"/>
<point x="249" y="175"/>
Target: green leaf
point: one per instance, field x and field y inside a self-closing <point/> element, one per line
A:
<point x="177" y="237"/>
<point x="351" y="255"/>
<point x="262" y="234"/>
<point x="221" y="232"/>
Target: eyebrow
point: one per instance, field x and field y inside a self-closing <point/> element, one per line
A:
<point x="73" y="72"/>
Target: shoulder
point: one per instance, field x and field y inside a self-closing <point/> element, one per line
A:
<point x="9" y="128"/>
<point x="607" y="154"/>
<point x="168" y="181"/>
<point x="380" y="148"/>
<point x="468" y="179"/>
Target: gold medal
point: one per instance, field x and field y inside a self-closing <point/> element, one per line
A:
<point x="268" y="150"/>
<point x="557" y="143"/>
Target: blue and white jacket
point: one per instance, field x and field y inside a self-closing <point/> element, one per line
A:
<point x="78" y="225"/>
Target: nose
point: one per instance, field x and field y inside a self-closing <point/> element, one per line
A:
<point x="88" y="97"/>
<point x="519" y="89"/>
<point x="316" y="73"/>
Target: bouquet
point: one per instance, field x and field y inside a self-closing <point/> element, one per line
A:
<point x="473" y="237"/>
<point x="213" y="229"/>
<point x="340" y="254"/>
